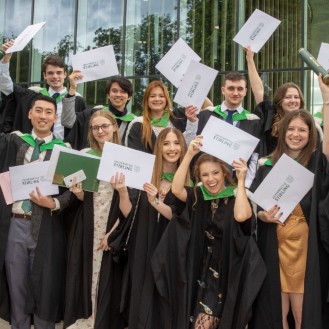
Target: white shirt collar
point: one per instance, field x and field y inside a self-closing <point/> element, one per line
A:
<point x="47" y="139"/>
<point x="224" y="108"/>
<point x="52" y="92"/>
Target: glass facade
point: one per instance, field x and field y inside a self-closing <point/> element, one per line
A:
<point x="142" y="31"/>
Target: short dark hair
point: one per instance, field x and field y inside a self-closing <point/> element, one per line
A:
<point x="123" y="82"/>
<point x="44" y="98"/>
<point x="234" y="76"/>
<point x="53" y="60"/>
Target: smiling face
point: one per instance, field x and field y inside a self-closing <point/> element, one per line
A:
<point x="171" y="149"/>
<point x="102" y="130"/>
<point x="55" y="76"/>
<point x="234" y="93"/>
<point x="291" y="101"/>
<point x="297" y="136"/>
<point x="118" y="97"/>
<point x="157" y="101"/>
<point x="43" y="116"/>
<point x="212" y="176"/>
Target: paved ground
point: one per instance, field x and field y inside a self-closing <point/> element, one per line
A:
<point x="5" y="325"/>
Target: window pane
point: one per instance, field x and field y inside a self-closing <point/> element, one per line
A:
<point x="11" y="27"/>
<point x="150" y="32"/>
<point x="56" y="37"/>
<point x="100" y="23"/>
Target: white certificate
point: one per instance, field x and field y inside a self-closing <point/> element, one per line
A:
<point x="226" y="142"/>
<point x="95" y="64"/>
<point x="137" y="166"/>
<point x="285" y="186"/>
<point x="257" y="30"/>
<point x="24" y="179"/>
<point x="196" y="84"/>
<point x="55" y="155"/>
<point x="323" y="57"/>
<point x="25" y="37"/>
<point x="174" y="63"/>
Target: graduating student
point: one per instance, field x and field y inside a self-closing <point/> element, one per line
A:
<point x="157" y="115"/>
<point x="151" y="212"/>
<point x="234" y="90"/>
<point x="297" y="261"/>
<point x="15" y="113"/>
<point x="119" y="91"/>
<point x="207" y="266"/>
<point x="32" y="244"/>
<point x="96" y="215"/>
<point x="287" y="97"/>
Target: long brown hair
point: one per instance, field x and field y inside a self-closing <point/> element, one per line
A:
<point x="210" y="158"/>
<point x="306" y="152"/>
<point x="158" y="164"/>
<point x="146" y="125"/>
<point x="91" y="138"/>
<point x="279" y="95"/>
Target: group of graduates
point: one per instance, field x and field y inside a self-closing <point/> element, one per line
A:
<point x="190" y="250"/>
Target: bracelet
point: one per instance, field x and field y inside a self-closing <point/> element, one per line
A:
<point x="156" y="201"/>
<point x="326" y="103"/>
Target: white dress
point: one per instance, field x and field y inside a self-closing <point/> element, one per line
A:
<point x="102" y="203"/>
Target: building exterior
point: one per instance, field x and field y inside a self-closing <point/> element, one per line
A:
<point x="142" y="31"/>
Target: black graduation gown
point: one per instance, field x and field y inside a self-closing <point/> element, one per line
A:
<point x="267" y="311"/>
<point x="177" y="264"/>
<point x="6" y="121"/>
<point x="134" y="137"/>
<point x="139" y="303"/>
<point x="266" y="111"/>
<point x="77" y="135"/>
<point x="78" y="303"/>
<point x="48" y="272"/>
<point x="252" y="127"/>
<point x="144" y="306"/>
<point x="17" y="106"/>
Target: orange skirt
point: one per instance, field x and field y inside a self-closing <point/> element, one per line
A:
<point x="292" y="243"/>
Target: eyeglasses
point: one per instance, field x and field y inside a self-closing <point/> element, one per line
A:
<point x="104" y="127"/>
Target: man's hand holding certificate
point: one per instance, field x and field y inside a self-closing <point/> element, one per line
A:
<point x="95" y="64"/>
<point x="285" y="186"/>
<point x="25" y="37"/>
<point x="24" y="179"/>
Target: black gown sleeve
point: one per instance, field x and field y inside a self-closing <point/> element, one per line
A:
<point x="135" y="138"/>
<point x="77" y="135"/>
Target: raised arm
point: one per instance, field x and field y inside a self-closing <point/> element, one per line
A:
<point x="325" y="97"/>
<point x="68" y="113"/>
<point x="191" y="123"/>
<point x="178" y="184"/>
<point x="256" y="83"/>
<point x="242" y="207"/>
<point x="6" y="83"/>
